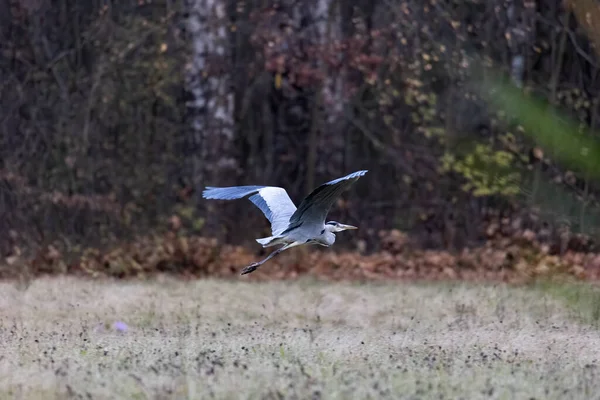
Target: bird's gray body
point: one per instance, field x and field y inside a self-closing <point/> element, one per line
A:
<point x="292" y="226"/>
<point x="320" y="234"/>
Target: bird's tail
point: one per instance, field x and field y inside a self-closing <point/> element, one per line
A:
<point x="269" y="241"/>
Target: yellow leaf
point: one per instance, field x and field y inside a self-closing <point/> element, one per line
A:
<point x="278" y="81"/>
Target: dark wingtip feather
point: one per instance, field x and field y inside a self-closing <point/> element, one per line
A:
<point x="229" y="193"/>
<point x="226" y="193"/>
<point x="206" y="192"/>
<point x="353" y="175"/>
<point x="210" y="193"/>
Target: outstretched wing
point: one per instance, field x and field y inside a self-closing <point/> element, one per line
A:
<point x="315" y="207"/>
<point x="273" y="201"/>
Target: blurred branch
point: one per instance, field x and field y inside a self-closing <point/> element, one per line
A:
<point x="574" y="148"/>
<point x="587" y="13"/>
<point x="311" y="157"/>
<point x="546" y="125"/>
<point x="52" y="66"/>
<point x="396" y="158"/>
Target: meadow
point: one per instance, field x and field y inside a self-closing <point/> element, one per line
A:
<point x="169" y="339"/>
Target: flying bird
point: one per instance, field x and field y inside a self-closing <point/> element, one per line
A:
<point x="291" y="226"/>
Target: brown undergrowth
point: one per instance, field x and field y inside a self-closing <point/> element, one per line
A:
<point x="518" y="259"/>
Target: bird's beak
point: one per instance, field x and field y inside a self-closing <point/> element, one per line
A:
<point x="347" y="227"/>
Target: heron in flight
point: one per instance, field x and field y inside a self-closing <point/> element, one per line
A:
<point x="291" y="226"/>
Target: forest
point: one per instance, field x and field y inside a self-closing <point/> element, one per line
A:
<point x="115" y="115"/>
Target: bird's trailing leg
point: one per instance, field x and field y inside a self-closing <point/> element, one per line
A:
<point x="252" y="267"/>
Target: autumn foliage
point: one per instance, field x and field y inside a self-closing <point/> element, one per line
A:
<point x="517" y="259"/>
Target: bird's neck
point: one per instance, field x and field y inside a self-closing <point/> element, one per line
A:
<point x="328" y="235"/>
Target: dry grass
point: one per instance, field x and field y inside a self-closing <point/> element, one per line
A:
<point x="301" y="339"/>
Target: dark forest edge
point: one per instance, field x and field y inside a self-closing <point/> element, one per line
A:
<point x="107" y="161"/>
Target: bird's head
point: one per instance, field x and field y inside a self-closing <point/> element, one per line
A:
<point x="333" y="226"/>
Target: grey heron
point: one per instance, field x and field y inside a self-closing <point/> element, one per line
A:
<point x="291" y="226"/>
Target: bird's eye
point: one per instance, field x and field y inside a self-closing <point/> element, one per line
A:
<point x="323" y="231"/>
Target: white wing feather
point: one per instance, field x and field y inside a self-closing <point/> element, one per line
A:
<point x="280" y="205"/>
<point x="273" y="201"/>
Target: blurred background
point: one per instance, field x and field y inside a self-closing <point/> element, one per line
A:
<point x="115" y="115"/>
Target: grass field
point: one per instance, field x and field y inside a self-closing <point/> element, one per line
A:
<point x="205" y="339"/>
